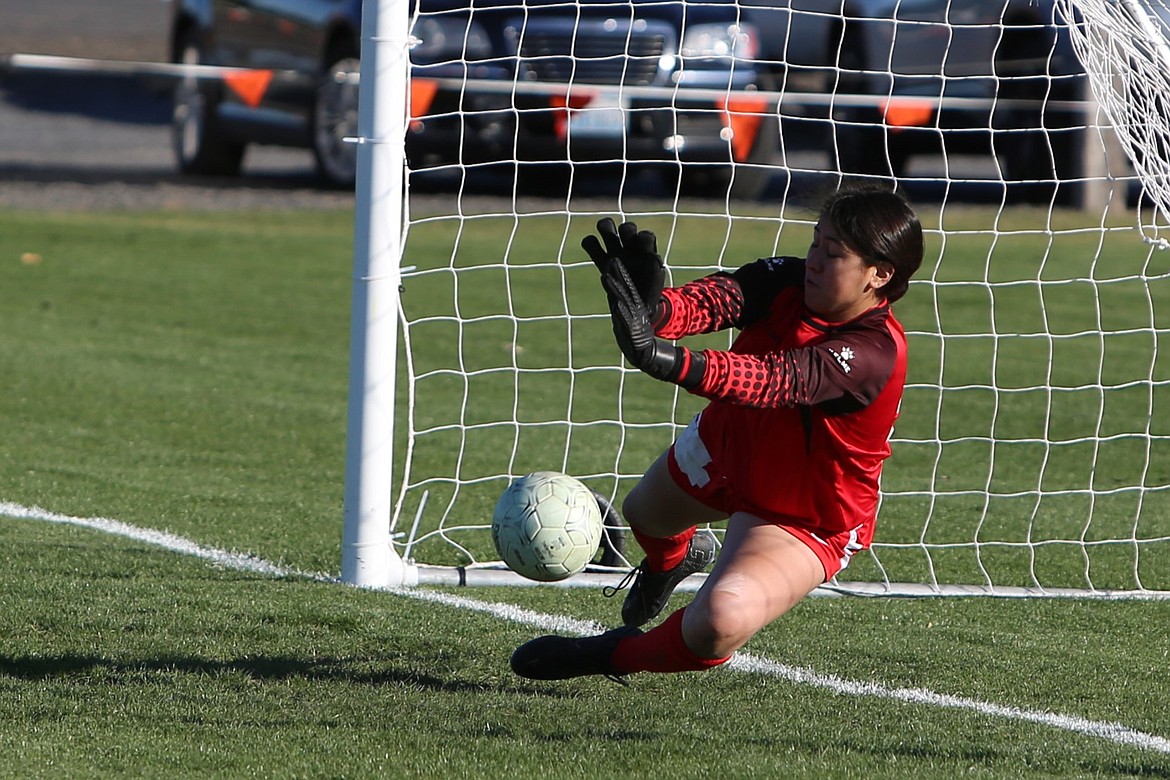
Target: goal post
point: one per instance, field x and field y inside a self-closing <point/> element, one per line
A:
<point x="368" y="557"/>
<point x="1032" y="455"/>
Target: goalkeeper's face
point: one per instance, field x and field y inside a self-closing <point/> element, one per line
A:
<point x="838" y="282"/>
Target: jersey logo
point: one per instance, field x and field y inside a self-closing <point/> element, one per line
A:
<point x="775" y="263"/>
<point x="843" y="357"/>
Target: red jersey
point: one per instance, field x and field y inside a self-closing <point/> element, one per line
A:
<point x="801" y="409"/>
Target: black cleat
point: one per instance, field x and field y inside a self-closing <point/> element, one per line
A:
<point x="563" y="657"/>
<point x="651" y="591"/>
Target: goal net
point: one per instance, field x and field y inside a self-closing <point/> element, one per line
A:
<point x="1032" y="454"/>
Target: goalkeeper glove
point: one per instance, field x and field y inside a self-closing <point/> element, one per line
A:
<point x="638" y="252"/>
<point x="635" y="334"/>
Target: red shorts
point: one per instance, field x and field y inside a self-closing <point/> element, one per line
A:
<point x="690" y="462"/>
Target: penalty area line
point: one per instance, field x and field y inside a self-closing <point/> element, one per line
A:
<point x="743" y="662"/>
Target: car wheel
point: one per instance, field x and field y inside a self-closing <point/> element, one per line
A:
<point x="868" y="149"/>
<point x="859" y="142"/>
<point x="1043" y="165"/>
<point x="199" y="144"/>
<point x="335" y="118"/>
<point x="1039" y="147"/>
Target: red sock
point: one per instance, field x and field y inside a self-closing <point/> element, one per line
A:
<point x="661" y="649"/>
<point x="664" y="554"/>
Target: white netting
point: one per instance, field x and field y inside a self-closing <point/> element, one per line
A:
<point x="1032" y="452"/>
<point x="1123" y="45"/>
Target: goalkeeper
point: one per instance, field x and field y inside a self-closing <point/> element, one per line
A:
<point x="789" y="450"/>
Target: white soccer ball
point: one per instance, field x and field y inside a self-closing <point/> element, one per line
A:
<point x="547" y="526"/>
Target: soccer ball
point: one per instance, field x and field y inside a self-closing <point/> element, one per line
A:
<point x="547" y="526"/>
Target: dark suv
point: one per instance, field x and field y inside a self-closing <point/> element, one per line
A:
<point x="490" y="83"/>
<point x="919" y="77"/>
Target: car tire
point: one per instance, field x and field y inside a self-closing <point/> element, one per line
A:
<point x="867" y="148"/>
<point x="1041" y="166"/>
<point x="859" y="142"/>
<point x="335" y="118"/>
<point x="1039" y="148"/>
<point x="199" y="144"/>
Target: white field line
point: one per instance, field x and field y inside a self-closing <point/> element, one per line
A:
<point x="744" y="662"/>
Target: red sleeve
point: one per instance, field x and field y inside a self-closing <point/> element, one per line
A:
<point x="726" y="300"/>
<point x="702" y="306"/>
<point x="843" y="373"/>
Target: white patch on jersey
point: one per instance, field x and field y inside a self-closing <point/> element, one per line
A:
<point x="851" y="547"/>
<point x="692" y="455"/>
<point x="843" y="357"/>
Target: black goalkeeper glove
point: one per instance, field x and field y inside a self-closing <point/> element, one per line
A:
<point x="635" y="334"/>
<point x="637" y="250"/>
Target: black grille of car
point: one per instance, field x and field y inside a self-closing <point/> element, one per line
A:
<point x="601" y="57"/>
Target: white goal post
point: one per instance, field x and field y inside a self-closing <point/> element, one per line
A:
<point x="1032" y="455"/>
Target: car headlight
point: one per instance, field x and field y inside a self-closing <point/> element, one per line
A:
<point x="448" y="39"/>
<point x="720" y="41"/>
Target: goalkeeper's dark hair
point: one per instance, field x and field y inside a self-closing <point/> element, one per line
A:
<point x="879" y="225"/>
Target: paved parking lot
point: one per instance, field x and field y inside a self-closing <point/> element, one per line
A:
<point x="82" y="142"/>
<point x="103" y="142"/>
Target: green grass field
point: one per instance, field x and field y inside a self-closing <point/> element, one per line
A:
<point x="187" y="373"/>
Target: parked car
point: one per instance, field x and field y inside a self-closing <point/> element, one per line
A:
<point x="916" y="77"/>
<point x="214" y="123"/>
<point x="645" y="75"/>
